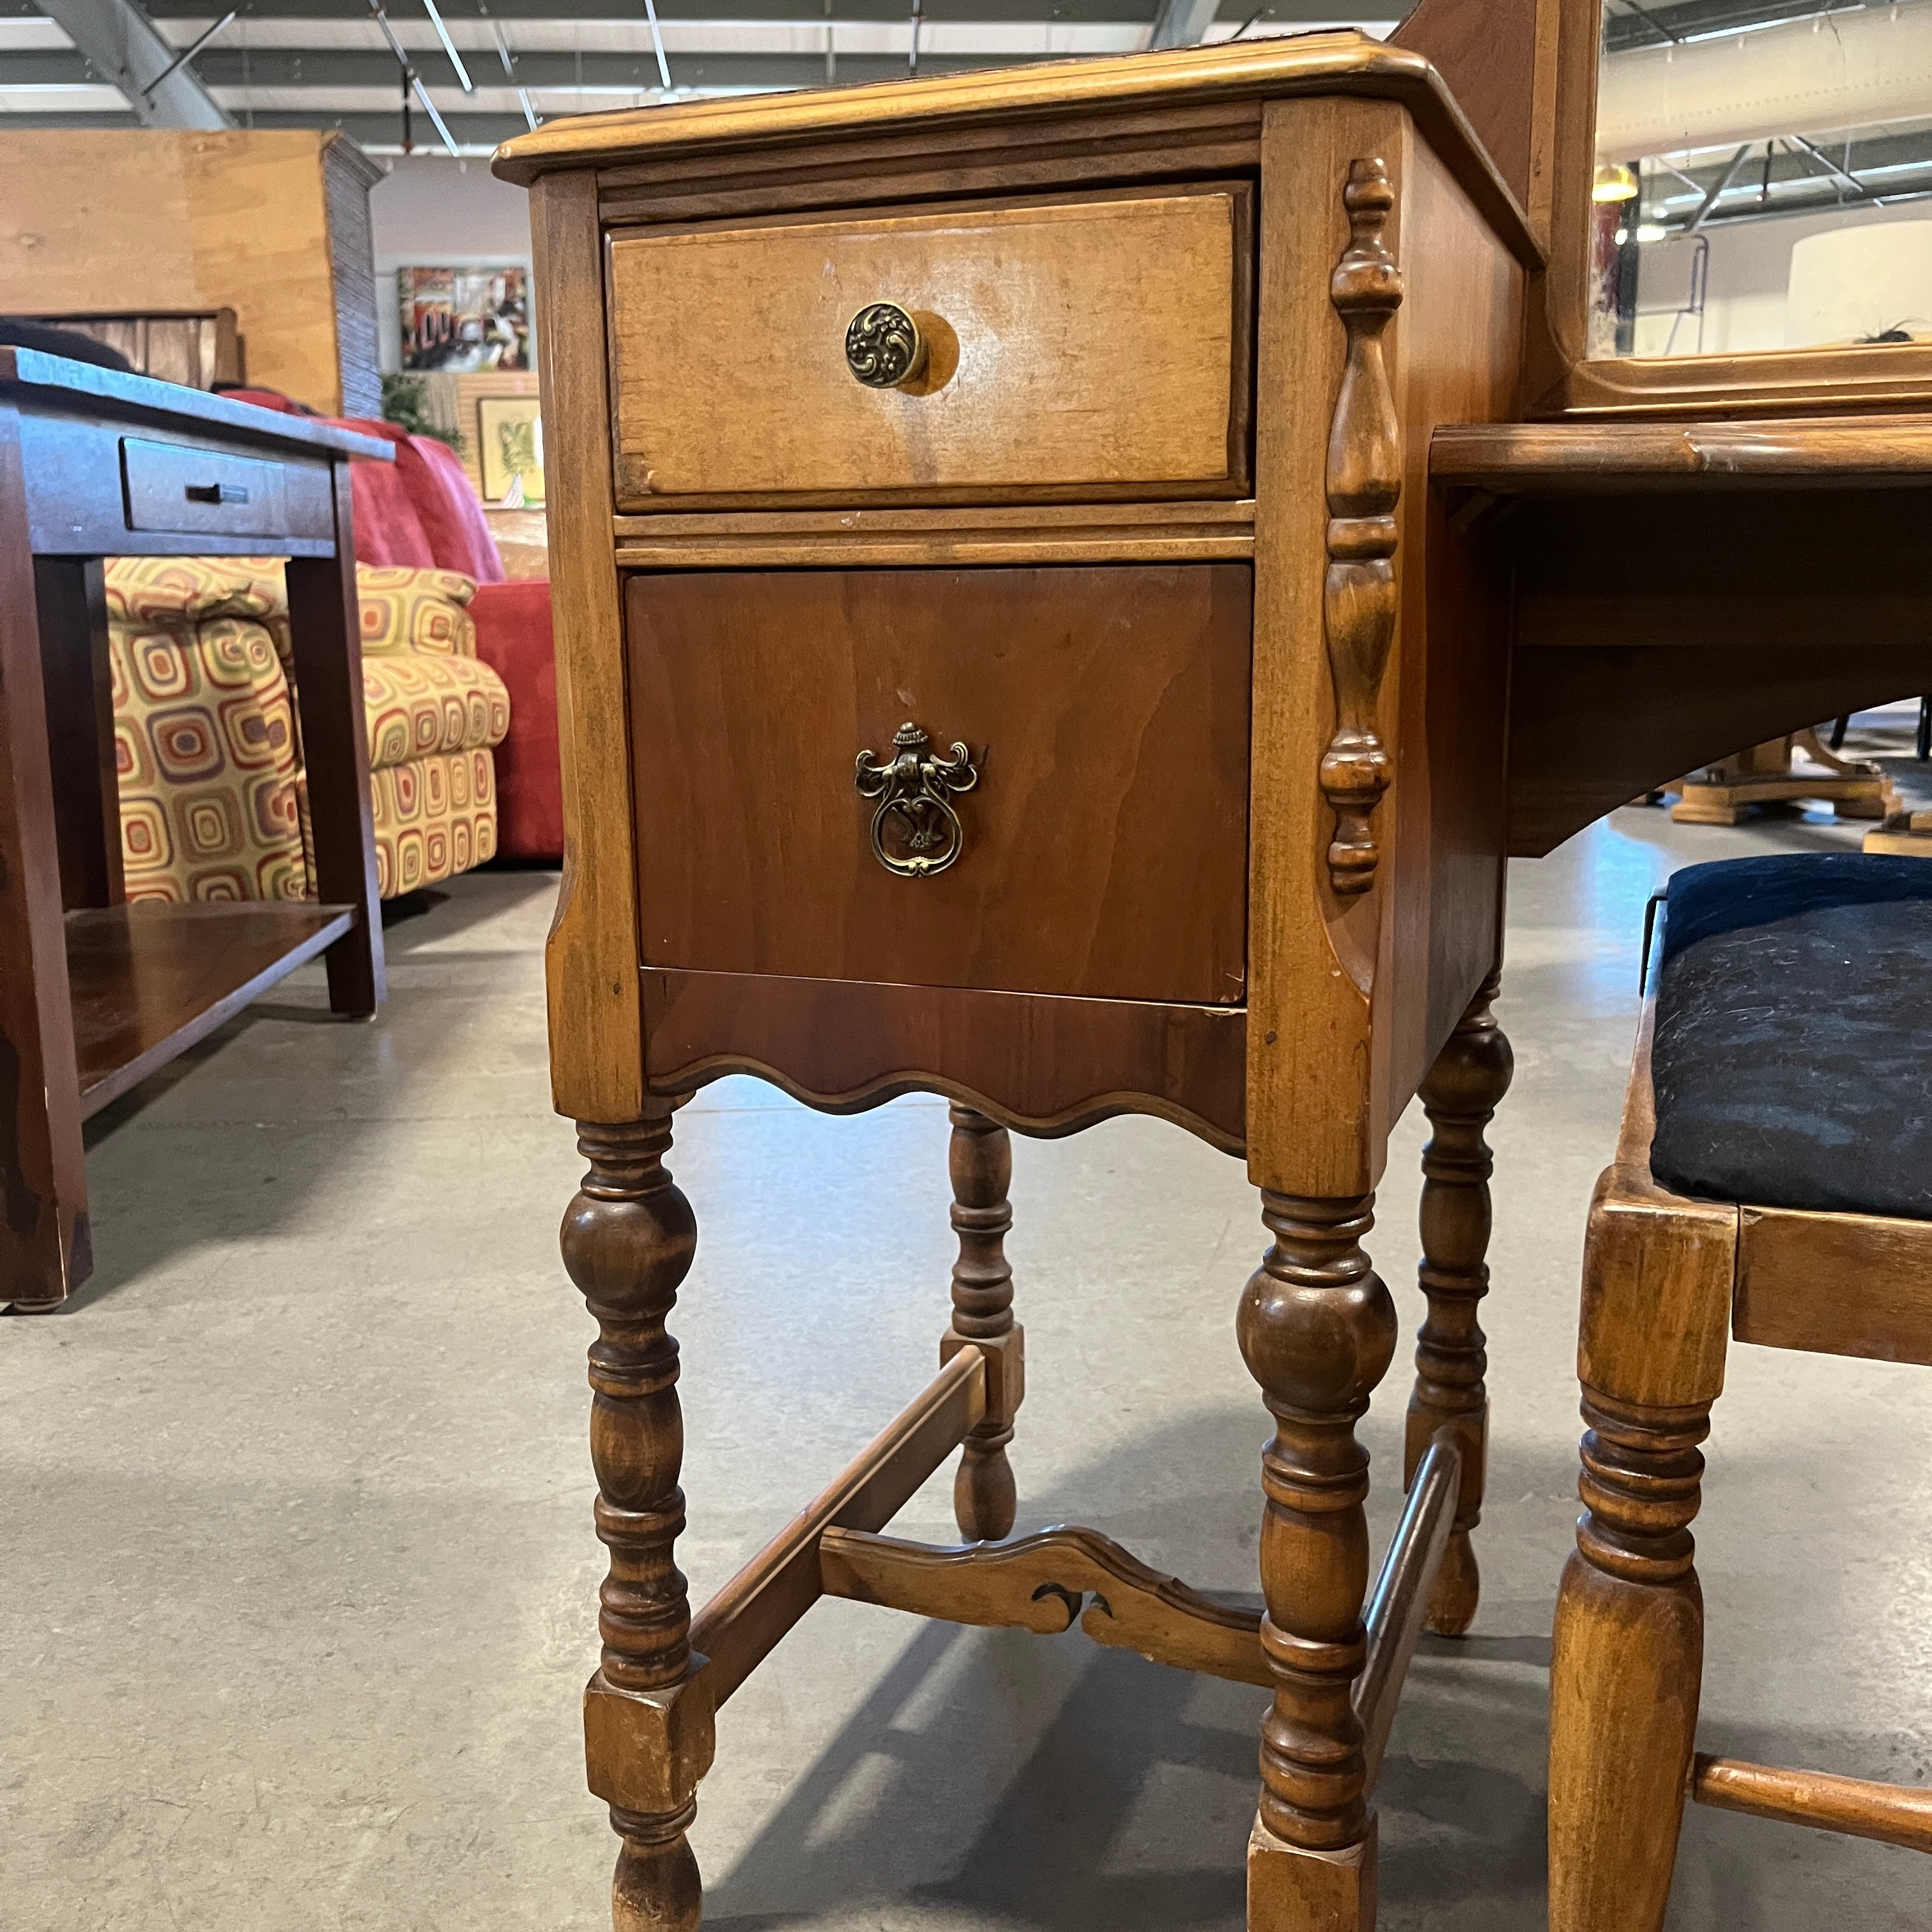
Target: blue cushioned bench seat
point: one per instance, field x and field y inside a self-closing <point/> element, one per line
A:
<point x="1792" y="1058"/>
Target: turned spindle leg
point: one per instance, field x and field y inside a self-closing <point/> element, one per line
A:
<point x="1625" y="1669"/>
<point x="1318" y="1331"/>
<point x="628" y="1239"/>
<point x="1471" y="1075"/>
<point x="981" y="1161"/>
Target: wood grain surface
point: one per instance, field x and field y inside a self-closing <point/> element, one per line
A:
<point x="1041" y="1066"/>
<point x="1797" y="605"/>
<point x="149" y="980"/>
<point x="1346" y="64"/>
<point x="77" y="679"/>
<point x="596" y="1049"/>
<point x="1380" y="978"/>
<point x="1552" y="459"/>
<point x="1206" y="531"/>
<point x="1893" y="1814"/>
<point x="325" y="648"/>
<point x="1094" y="340"/>
<point x="1835" y="1284"/>
<point x="1499" y="60"/>
<point x="45" y="1251"/>
<point x="1060" y="151"/>
<point x="1104" y="844"/>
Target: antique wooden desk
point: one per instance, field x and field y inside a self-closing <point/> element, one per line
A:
<point x="978" y="509"/>
<point x="96" y="993"/>
<point x="1011" y="645"/>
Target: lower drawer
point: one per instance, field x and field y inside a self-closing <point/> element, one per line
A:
<point x="1100" y="849"/>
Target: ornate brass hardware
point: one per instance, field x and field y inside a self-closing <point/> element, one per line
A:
<point x="884" y="346"/>
<point x="912" y="787"/>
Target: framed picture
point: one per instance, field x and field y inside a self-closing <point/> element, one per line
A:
<point x="464" y="318"/>
<point x="509" y="436"/>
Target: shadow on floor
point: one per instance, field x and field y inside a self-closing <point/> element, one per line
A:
<point x="1126" y="1803"/>
<point x="288" y="1061"/>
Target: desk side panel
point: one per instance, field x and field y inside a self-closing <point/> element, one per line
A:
<point x="1455" y="356"/>
<point x="595" y="1022"/>
<point x="1308" y="1013"/>
<point x="1352" y="993"/>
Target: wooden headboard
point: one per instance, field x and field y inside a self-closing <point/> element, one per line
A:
<point x="197" y="347"/>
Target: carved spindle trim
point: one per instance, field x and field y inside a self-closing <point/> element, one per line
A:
<point x="1364" y="485"/>
<point x="1641" y="1484"/>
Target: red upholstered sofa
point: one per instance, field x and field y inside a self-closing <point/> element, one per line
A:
<point x="419" y="511"/>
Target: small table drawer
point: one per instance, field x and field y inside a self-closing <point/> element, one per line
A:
<point x="204" y="492"/>
<point x="1102" y="845"/>
<point x="1092" y="345"/>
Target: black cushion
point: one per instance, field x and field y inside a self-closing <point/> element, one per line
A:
<point x="1792" y="1060"/>
<point x="17" y="332"/>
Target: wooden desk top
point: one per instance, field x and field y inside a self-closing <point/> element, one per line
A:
<point x="1569" y="459"/>
<point x="54" y="383"/>
<point x="1347" y="64"/>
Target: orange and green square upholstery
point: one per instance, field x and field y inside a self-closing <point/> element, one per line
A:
<point x="213" y="804"/>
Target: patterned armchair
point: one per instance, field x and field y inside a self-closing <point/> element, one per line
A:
<point x="208" y="743"/>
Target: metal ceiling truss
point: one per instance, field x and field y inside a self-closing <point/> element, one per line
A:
<point x="125" y="47"/>
<point x="1788" y="174"/>
<point x="1653" y="23"/>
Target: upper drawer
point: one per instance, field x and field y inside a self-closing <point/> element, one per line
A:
<point x="173" y="486"/>
<point x="1096" y="345"/>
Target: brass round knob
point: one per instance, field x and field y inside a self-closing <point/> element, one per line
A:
<point x="884" y="346"/>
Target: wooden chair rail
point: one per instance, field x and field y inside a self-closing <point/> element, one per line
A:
<point x="1893" y="1814"/>
<point x="1399" y="1604"/>
<point x="1046" y="1581"/>
<point x="741" y="1626"/>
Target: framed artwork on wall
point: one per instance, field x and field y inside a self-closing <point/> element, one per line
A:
<point x="461" y="320"/>
<point x="510" y="450"/>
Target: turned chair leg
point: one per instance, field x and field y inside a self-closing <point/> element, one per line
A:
<point x="1625" y="1670"/>
<point x="628" y="1239"/>
<point x="1318" y="1332"/>
<point x="1464" y="1087"/>
<point x="981" y="1161"/>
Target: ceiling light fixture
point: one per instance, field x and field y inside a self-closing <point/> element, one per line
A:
<point x="1614" y="182"/>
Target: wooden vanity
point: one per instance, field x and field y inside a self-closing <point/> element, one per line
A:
<point x="1010" y="647"/>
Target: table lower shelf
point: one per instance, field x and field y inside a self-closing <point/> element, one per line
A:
<point x="148" y="980"/>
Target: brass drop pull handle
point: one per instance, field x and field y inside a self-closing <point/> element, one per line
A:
<point x="912" y="787"/>
<point x="884" y="346"/>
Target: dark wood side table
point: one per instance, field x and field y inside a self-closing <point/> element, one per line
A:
<point x="96" y="993"/>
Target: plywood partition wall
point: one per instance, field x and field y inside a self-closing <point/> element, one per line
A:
<point x="273" y="225"/>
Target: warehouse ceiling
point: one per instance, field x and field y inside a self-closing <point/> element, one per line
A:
<point x="334" y="63"/>
<point x="474" y="72"/>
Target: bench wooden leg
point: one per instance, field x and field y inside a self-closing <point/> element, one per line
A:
<point x="628" y="1241"/>
<point x="981" y="1161"/>
<point x="1470" y="1077"/>
<point x="1625" y="1670"/>
<point x="1318" y="1331"/>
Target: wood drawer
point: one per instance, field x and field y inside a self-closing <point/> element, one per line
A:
<point x="1104" y="847"/>
<point x="1088" y="345"/>
<point x="211" y="492"/>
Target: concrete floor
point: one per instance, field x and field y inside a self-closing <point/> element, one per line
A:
<point x="298" y="1570"/>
